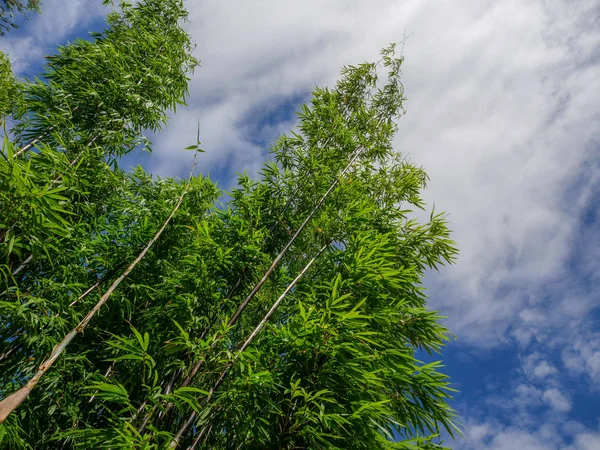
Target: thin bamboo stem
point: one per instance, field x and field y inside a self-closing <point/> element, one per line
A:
<point x="266" y="275"/>
<point x="10" y="403"/>
<point x="106" y="374"/>
<point x="22" y="265"/>
<point x="30" y="145"/>
<point x="175" y="441"/>
<point x="95" y="286"/>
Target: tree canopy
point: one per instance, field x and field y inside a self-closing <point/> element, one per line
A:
<point x="9" y="87"/>
<point x="142" y="312"/>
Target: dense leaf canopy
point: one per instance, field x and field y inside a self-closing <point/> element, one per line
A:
<point x="142" y="312"/>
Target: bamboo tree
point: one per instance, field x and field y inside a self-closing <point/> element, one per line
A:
<point x="10" y="403"/>
<point x="105" y="92"/>
<point x="222" y="324"/>
<point x="130" y="74"/>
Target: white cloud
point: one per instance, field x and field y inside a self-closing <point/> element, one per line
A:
<point x="543" y="369"/>
<point x="557" y="400"/>
<point x="513" y="439"/>
<point x="43" y="32"/>
<point x="582" y="357"/>
<point x="537" y="368"/>
<point x="586" y="441"/>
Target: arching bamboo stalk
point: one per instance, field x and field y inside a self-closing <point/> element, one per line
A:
<point x="10" y="403"/>
<point x="266" y="275"/>
<point x="175" y="441"/>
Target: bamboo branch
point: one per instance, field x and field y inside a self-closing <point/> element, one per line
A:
<point x="106" y="374"/>
<point x="9" y="352"/>
<point x="77" y="158"/>
<point x="30" y="144"/>
<point x="22" y="265"/>
<point x="95" y="286"/>
<point x="266" y="275"/>
<point x="197" y="440"/>
<point x="36" y="140"/>
<point x="10" y="403"/>
<point x="175" y="441"/>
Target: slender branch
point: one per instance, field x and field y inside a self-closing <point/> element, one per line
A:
<point x="197" y="440"/>
<point x="10" y="403"/>
<point x="106" y="374"/>
<point x="30" y="145"/>
<point x="271" y="311"/>
<point x="263" y="280"/>
<point x="266" y="275"/>
<point x="8" y="353"/>
<point x="98" y="283"/>
<point x="175" y="441"/>
<point x="22" y="265"/>
<point x="77" y="158"/>
<point x="174" y="376"/>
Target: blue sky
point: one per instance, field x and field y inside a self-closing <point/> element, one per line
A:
<point x="502" y="112"/>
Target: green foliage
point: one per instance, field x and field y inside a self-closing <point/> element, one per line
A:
<point x="8" y="9"/>
<point x="110" y="89"/>
<point x="9" y="87"/>
<point x="161" y="364"/>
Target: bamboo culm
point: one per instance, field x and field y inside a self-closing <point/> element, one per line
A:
<point x="266" y="275"/>
<point x="10" y="403"/>
<point x="175" y="442"/>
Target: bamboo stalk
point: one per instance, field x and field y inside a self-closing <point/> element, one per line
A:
<point x="30" y="145"/>
<point x="22" y="265"/>
<point x="197" y="440"/>
<point x="10" y="403"/>
<point x="9" y="352"/>
<point x="266" y="275"/>
<point x="175" y="441"/>
<point x="95" y="286"/>
<point x="210" y="324"/>
<point x="36" y="140"/>
<point x="106" y="374"/>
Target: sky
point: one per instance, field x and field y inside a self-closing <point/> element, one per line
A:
<point x="502" y="112"/>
